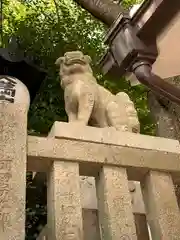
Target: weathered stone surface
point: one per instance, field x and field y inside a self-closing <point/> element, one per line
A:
<point x="89" y="198"/>
<point x="87" y="184"/>
<point x="92" y="147"/>
<point x="136" y="197"/>
<point x="96" y="105"/>
<point x="64" y="204"/>
<point x="88" y="192"/>
<point x="141" y="227"/>
<point x="13" y="136"/>
<point x="88" y="204"/>
<point x="65" y="130"/>
<point x="114" y="204"/>
<point x="91" y="224"/>
<point x="137" y="158"/>
<point x="162" y="209"/>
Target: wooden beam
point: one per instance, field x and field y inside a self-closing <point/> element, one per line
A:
<point x="157" y="35"/>
<point x="147" y="18"/>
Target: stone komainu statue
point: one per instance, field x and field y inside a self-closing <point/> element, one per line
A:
<point x="88" y="103"/>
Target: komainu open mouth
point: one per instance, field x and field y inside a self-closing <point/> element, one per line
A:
<point x="75" y="61"/>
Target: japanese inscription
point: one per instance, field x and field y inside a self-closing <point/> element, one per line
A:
<point x="7" y="89"/>
<point x="5" y="194"/>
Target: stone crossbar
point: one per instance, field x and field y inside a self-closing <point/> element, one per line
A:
<point x="93" y="148"/>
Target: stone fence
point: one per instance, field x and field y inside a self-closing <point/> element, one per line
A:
<point x="113" y="158"/>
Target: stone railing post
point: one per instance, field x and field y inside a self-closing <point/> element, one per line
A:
<point x="14" y="104"/>
<point x="114" y="204"/>
<point x="64" y="210"/>
<point x="161" y="205"/>
<point x="63" y="203"/>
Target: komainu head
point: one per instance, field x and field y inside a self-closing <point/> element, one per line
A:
<point x="73" y="62"/>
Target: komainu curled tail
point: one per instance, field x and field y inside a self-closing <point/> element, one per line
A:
<point x="122" y="114"/>
<point x="130" y="110"/>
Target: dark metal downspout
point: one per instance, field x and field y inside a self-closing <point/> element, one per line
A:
<point x="156" y="84"/>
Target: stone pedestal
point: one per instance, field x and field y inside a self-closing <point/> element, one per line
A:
<point x="14" y="104"/>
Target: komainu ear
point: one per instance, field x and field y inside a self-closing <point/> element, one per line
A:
<point x="88" y="58"/>
<point x="59" y="61"/>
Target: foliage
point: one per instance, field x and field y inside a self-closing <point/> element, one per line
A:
<point x="45" y="29"/>
<point x="129" y="3"/>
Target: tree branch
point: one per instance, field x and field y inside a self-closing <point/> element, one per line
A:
<point x="104" y="10"/>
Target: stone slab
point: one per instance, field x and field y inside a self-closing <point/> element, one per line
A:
<point x="107" y="135"/>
